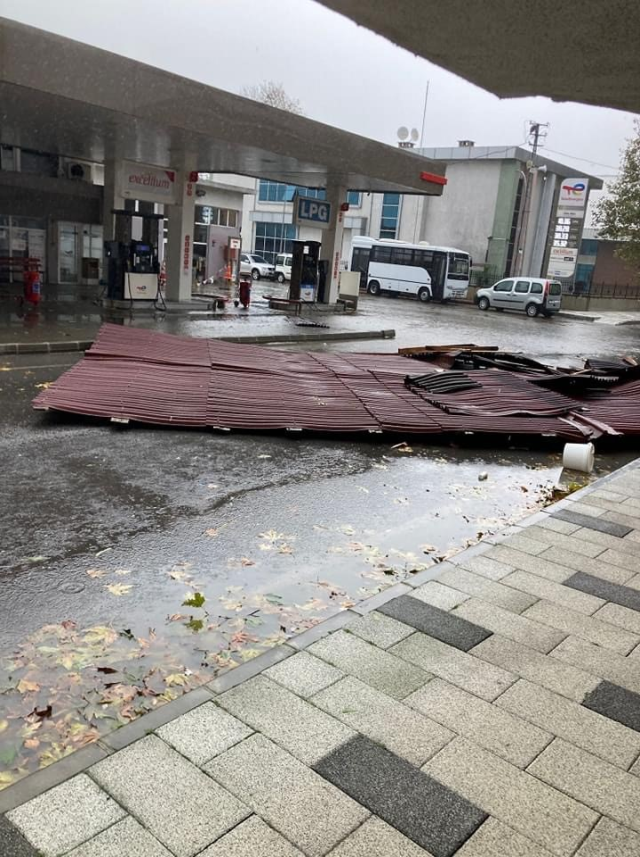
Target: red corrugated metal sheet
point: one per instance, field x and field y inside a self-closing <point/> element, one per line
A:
<point x="169" y="380"/>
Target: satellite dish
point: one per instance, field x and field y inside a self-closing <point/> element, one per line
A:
<point x="415" y="135"/>
<point x="403" y="132"/>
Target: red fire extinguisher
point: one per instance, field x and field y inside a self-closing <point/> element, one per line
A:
<point x="31" y="280"/>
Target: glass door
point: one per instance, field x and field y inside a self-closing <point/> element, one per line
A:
<point x="68" y="247"/>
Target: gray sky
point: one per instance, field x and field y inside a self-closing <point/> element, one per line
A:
<point x="343" y="74"/>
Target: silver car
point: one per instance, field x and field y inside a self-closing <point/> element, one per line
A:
<point x="532" y="295"/>
<point x="257" y="266"/>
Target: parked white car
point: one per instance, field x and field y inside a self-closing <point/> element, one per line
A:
<point x="257" y="266"/>
<point x="532" y="295"/>
<point x="283" y="267"/>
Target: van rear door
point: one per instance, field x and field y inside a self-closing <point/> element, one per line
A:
<point x="553" y="293"/>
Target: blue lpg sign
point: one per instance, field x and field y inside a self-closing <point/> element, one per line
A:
<point x="311" y="212"/>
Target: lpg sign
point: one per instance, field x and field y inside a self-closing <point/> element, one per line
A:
<point x="311" y="212"/>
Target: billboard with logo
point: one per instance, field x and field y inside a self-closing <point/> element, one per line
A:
<point x="151" y="184"/>
<point x="566" y="231"/>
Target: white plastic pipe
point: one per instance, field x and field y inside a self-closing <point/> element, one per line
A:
<point x="579" y="456"/>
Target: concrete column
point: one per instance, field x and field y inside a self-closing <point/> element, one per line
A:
<point x="181" y="218"/>
<point x="331" y="249"/>
<point x="542" y="226"/>
<point x="112" y="197"/>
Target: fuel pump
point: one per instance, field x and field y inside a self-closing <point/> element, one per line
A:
<point x="132" y="266"/>
<point x="304" y="270"/>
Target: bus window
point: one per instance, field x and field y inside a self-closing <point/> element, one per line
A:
<point x="401" y="256"/>
<point x="424" y="258"/>
<point x="458" y="267"/>
<point x="381" y="254"/>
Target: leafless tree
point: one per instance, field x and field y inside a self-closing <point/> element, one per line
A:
<point x="273" y="93"/>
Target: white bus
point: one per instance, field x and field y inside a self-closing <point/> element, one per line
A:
<point x="398" y="267"/>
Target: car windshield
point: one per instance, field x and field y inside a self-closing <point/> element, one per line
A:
<point x="260" y="260"/>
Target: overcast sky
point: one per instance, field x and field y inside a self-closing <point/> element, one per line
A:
<point x="342" y="74"/>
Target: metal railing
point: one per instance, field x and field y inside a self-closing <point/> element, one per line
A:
<point x="601" y="290"/>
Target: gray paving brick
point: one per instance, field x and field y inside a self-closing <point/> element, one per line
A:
<point x="565" y="596"/>
<point x="516" y="798"/>
<point x="590" y="628"/>
<point x="252" y="838"/>
<point x="597" y="567"/>
<point x="377" y="839"/>
<point x="430" y="814"/>
<point x="589" y="521"/>
<point x="75" y="811"/>
<point x="439" y="595"/>
<point x="172" y="798"/>
<point x="606" y="540"/>
<point x="547" y="670"/>
<point x="625" y="560"/>
<point x="609" y="506"/>
<point x="383" y="719"/>
<point x="489" y="590"/>
<point x="307" y="810"/>
<point x="627" y="520"/>
<point x="534" y="564"/>
<point x="594" y="782"/>
<point x="510" y="737"/>
<point x="305" y="675"/>
<point x="572" y="722"/>
<point x="586" y="508"/>
<point x="558" y="525"/>
<point x="620" y="616"/>
<point x="308" y="734"/>
<point x="514" y="626"/>
<point x="527" y="542"/>
<point x="380" y="630"/>
<point x="574" y="544"/>
<point x="486" y="567"/>
<point x="616" y="703"/>
<point x="12" y="842"/>
<point x="439" y="624"/>
<point x="495" y="839"/>
<point x="376" y="601"/>
<point x="381" y="670"/>
<point x="600" y="662"/>
<point x="634" y="582"/>
<point x="610" y="840"/>
<point x="459" y="668"/>
<point x="605" y="494"/>
<point x="203" y="733"/>
<point x="125" y="838"/>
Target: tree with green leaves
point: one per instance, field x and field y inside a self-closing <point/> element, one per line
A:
<point x="617" y="216"/>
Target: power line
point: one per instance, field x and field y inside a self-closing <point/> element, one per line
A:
<point x="586" y="160"/>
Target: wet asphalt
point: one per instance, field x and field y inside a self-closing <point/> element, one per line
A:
<point x="74" y="487"/>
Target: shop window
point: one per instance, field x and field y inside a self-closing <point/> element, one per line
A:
<point x="273" y="238"/>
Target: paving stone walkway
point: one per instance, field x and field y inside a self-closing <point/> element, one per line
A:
<point x="489" y="708"/>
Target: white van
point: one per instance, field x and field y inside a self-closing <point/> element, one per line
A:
<point x="532" y="295"/>
<point x="283" y="267"/>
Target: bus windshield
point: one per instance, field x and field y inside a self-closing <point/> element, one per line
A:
<point x="458" y="266"/>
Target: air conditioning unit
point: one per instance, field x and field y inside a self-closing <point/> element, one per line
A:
<point x="78" y="172"/>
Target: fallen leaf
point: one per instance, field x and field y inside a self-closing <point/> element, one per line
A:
<point x="363" y="489"/>
<point x="272" y="536"/>
<point x="274" y="599"/>
<point x="246" y="561"/>
<point x="106" y="550"/>
<point x="179" y="679"/>
<point x="426" y="548"/>
<point x="25" y="686"/>
<point x="264" y="456"/>
<point x="195" y="625"/>
<point x="176" y="617"/>
<point x="119" y="588"/>
<point x="32" y="743"/>
<point x="96" y="572"/>
<point x="195" y="600"/>
<point x="212" y="532"/>
<point x="285" y="549"/>
<point x="122" y="571"/>
<point x="347" y="529"/>
<point x="4" y="724"/>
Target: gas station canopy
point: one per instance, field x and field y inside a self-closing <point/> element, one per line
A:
<point x="583" y="50"/>
<point x="67" y="98"/>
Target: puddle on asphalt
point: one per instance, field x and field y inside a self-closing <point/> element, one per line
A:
<point x="149" y="620"/>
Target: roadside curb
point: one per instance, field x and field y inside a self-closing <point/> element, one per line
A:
<point x="84" y="344"/>
<point x="81" y="760"/>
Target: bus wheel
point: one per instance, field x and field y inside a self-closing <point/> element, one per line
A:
<point x="374" y="287"/>
<point x="424" y="295"/>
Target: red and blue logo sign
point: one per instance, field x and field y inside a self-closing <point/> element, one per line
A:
<point x="574" y="189"/>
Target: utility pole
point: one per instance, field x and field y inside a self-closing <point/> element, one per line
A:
<point x="535" y="135"/>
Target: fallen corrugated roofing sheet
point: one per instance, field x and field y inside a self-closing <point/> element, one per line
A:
<point x="131" y="374"/>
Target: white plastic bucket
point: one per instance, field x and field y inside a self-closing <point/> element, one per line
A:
<point x="579" y="456"/>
